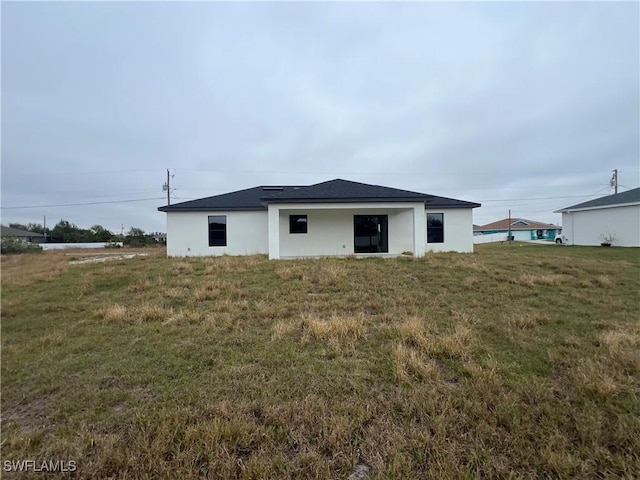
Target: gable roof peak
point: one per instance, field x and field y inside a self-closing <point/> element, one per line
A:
<point x="519" y="224"/>
<point x="331" y="191"/>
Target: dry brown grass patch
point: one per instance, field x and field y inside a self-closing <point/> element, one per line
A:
<point x="220" y="319"/>
<point x="603" y="281"/>
<point x="86" y="284"/>
<point x="139" y="286"/>
<point x="623" y="346"/>
<point x="224" y="264"/>
<point x="409" y="362"/>
<point x="182" y="282"/>
<point x="176" y="292"/>
<point x="291" y="271"/>
<point x="205" y="293"/>
<point x="182" y="267"/>
<point x="54" y="338"/>
<point x="109" y="270"/>
<point x="26" y="268"/>
<point x="284" y="328"/>
<point x="456" y="344"/>
<point x="10" y="306"/>
<point x="469" y="283"/>
<point x="530" y="280"/>
<point x="595" y="377"/>
<point x="337" y="330"/>
<point x="413" y="331"/>
<point x="329" y="272"/>
<point x="144" y="313"/>
<point x="151" y="313"/>
<point x="526" y="320"/>
<point x="182" y="317"/>
<point x="116" y="314"/>
<point x="484" y="374"/>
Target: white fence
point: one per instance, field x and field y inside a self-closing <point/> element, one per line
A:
<point x="62" y="246"/>
<point x="489" y="238"/>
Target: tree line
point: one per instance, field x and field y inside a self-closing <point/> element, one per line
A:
<point x="67" y="232"/>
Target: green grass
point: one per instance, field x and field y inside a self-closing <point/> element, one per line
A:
<point x="518" y="361"/>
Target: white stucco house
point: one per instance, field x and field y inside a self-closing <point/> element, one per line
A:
<point x="617" y="216"/>
<point x="334" y="218"/>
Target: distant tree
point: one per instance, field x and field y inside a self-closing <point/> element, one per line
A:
<point x="135" y="237"/>
<point x="100" y="234"/>
<point x="67" y="232"/>
<point x="19" y="226"/>
<point x="35" y="227"/>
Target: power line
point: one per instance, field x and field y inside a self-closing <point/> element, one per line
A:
<point x="76" y="172"/>
<point x="532" y="199"/>
<point x="413" y="173"/>
<point x="81" y="204"/>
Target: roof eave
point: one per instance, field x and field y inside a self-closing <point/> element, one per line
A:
<point x="444" y="205"/>
<point x="168" y="209"/>
<point x="343" y="200"/>
<point x="597" y="207"/>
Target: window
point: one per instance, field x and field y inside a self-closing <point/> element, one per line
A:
<point x="297" y="224"/>
<point x="218" y="231"/>
<point x="435" y="227"/>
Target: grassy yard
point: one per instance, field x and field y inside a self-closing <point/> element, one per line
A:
<point x="518" y="361"/>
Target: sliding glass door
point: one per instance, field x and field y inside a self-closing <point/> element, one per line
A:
<point x="370" y="233"/>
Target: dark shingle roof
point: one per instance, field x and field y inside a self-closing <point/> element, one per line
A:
<point x="249" y="199"/>
<point x="442" y="202"/>
<point x="516" y="224"/>
<point x="344" y="190"/>
<point x="331" y="191"/>
<point x="630" y="196"/>
<point x="16" y="232"/>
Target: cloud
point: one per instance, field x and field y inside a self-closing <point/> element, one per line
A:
<point x="481" y="101"/>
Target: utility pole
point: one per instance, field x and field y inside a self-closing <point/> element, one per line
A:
<point x="614" y="180"/>
<point x="44" y="229"/>
<point x="167" y="187"/>
<point x="509" y="234"/>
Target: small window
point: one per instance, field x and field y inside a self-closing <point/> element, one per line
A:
<point x="297" y="224"/>
<point x="435" y="227"/>
<point x="218" y="231"/>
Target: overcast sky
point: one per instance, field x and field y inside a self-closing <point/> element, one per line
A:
<point x="521" y="106"/>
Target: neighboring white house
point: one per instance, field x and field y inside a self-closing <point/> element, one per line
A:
<point x="334" y="218"/>
<point x="616" y="216"/>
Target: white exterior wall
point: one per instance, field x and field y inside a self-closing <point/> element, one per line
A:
<point x="188" y="234"/>
<point x="490" y="238"/>
<point x="330" y="228"/>
<point x="585" y="227"/>
<point x="458" y="231"/>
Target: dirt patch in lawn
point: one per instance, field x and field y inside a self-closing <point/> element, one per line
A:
<point x="105" y="257"/>
<point x="30" y="416"/>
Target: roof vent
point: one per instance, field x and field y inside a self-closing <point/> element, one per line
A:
<point x="265" y="189"/>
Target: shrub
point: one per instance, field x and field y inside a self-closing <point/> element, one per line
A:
<point x="14" y="245"/>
